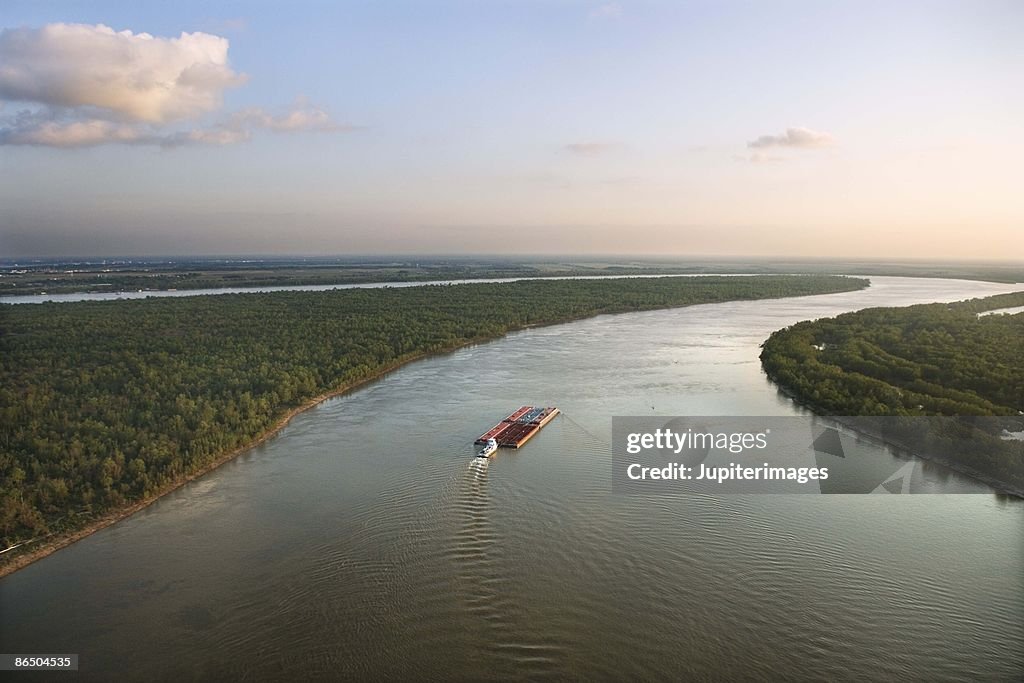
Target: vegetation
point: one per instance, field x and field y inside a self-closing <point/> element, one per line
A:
<point x="207" y="274"/>
<point x="61" y="277"/>
<point x="106" y="403"/>
<point x="932" y="359"/>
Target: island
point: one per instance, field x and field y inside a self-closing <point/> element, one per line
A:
<point x="926" y="360"/>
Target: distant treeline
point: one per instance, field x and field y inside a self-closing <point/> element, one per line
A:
<point x="106" y="403"/>
<point x="183" y="274"/>
<point x="59" y="280"/>
<point x="930" y="359"/>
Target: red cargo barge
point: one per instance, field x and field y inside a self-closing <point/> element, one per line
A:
<point x="519" y="427"/>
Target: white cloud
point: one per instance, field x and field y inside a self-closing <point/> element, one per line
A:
<point x="131" y="76"/>
<point x="301" y="117"/>
<point x="30" y="130"/>
<point x="91" y="85"/>
<point x="589" y="148"/>
<point x="71" y="134"/>
<point x="42" y="129"/>
<point x="215" y="135"/>
<point x="609" y="10"/>
<point x="799" y="138"/>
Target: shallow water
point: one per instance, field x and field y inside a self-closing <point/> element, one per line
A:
<point x="363" y="542"/>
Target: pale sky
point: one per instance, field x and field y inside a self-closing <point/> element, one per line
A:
<point x="886" y="130"/>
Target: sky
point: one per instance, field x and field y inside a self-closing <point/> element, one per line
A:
<point x="770" y="129"/>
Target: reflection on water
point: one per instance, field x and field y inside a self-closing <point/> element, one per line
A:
<point x="363" y="541"/>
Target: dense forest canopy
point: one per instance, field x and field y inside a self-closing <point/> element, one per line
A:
<point x="106" y="403"/>
<point x="930" y="359"/>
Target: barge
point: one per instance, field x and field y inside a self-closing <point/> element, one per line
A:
<point x="519" y="427"/>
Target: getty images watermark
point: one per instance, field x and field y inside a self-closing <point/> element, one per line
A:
<point x="799" y="454"/>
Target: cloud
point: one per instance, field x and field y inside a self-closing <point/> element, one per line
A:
<point x="762" y="158"/>
<point x="72" y="134"/>
<point x="131" y="76"/>
<point x="42" y="129"/>
<point x="589" y="148"/>
<point x="609" y="10"/>
<point x="795" y="138"/>
<point x="301" y="117"/>
<point x="91" y="85"/>
<point x="36" y="131"/>
<point x="215" y="135"/>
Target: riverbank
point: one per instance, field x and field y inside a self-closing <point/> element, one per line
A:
<point x="914" y="362"/>
<point x="48" y="546"/>
<point x="906" y="448"/>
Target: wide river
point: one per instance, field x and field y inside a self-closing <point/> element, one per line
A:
<point x="360" y="543"/>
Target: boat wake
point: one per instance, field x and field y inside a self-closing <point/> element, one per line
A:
<point x="479" y="551"/>
<point x="475" y="551"/>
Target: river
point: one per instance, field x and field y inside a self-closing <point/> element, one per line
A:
<point x="360" y="544"/>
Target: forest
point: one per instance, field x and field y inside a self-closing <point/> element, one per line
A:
<point x="103" y="404"/>
<point x="182" y="273"/>
<point x="929" y="359"/>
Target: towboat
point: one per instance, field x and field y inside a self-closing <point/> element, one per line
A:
<point x="488" y="449"/>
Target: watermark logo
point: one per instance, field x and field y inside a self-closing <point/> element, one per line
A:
<point x="796" y="454"/>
